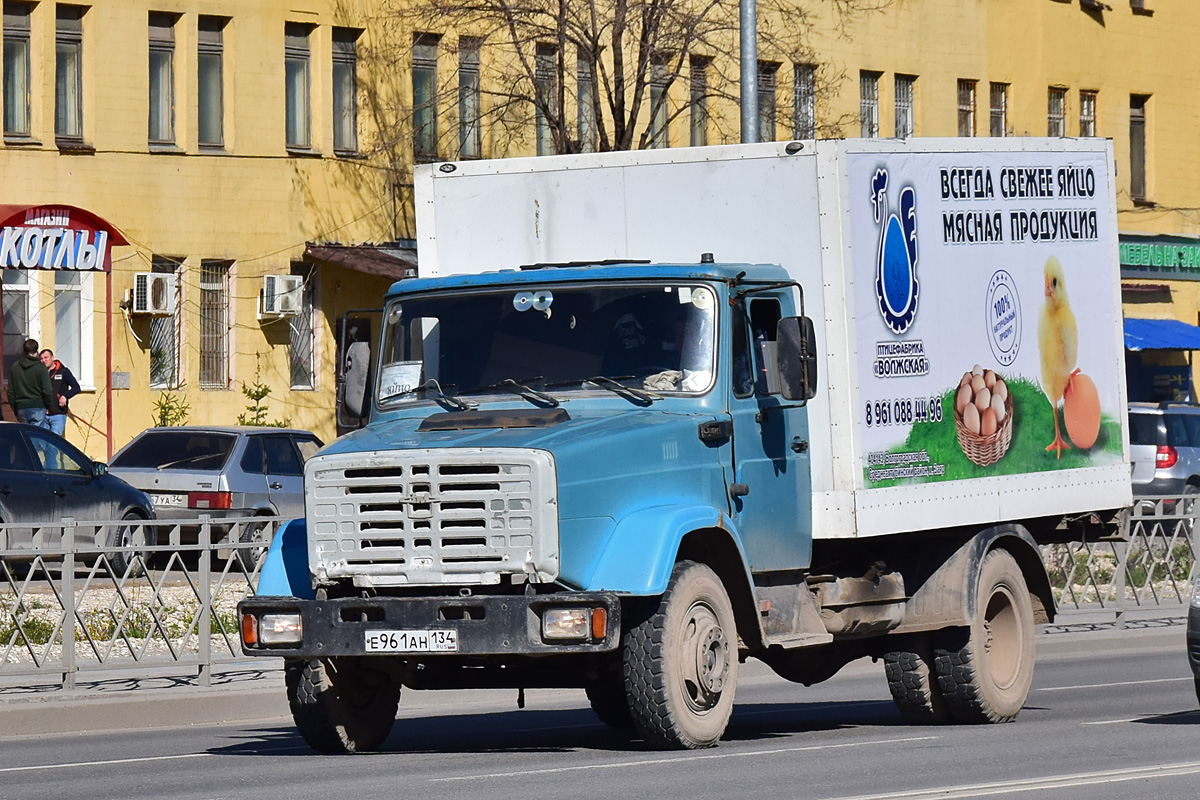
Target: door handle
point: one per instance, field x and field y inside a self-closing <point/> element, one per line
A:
<point x="5" y="489"/>
<point x="738" y="490"/>
<point x="799" y="445"/>
<point x="60" y="492"/>
<point x="276" y="485"/>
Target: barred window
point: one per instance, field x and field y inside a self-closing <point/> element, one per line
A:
<point x="966" y="107"/>
<point x="868" y="103"/>
<point x="164" y="334"/>
<point x="1087" y="113"/>
<point x="766" y="100"/>
<point x="998" y="126"/>
<point x="698" y="101"/>
<point x="586" y="81"/>
<point x="906" y="110"/>
<point x="659" y="101"/>
<point x="805" y="122"/>
<point x="300" y="341"/>
<point x="547" y="94"/>
<point x="470" y="135"/>
<point x="214" y="323"/>
<point x="1056" y="111"/>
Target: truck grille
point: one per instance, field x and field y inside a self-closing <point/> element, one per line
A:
<point x="426" y="517"/>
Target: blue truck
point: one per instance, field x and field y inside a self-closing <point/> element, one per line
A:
<point x="582" y="468"/>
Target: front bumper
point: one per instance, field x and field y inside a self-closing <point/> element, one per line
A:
<point x="485" y="624"/>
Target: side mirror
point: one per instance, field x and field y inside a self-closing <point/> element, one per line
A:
<point x="356" y="380"/>
<point x="99" y="468"/>
<point x="797" y="358"/>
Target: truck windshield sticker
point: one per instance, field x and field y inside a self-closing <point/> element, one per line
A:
<point x="395" y="379"/>
<point x="1010" y="244"/>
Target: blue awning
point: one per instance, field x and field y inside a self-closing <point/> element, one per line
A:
<point x="1160" y="334"/>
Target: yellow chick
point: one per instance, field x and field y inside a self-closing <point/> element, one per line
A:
<point x="1058" y="341"/>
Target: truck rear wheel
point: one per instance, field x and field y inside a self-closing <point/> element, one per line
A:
<point x="681" y="663"/>
<point x="985" y="670"/>
<point x="340" y="706"/>
<point x="913" y="682"/>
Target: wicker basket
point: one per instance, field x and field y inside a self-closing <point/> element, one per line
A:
<point x="986" y="450"/>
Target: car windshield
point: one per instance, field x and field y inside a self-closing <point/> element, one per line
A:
<point x="555" y="338"/>
<point x="184" y="450"/>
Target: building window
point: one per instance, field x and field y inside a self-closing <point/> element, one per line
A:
<point x="547" y="95"/>
<point x="345" y="90"/>
<point x="766" y="100"/>
<point x="16" y="305"/>
<point x="698" y="100"/>
<point x="164" y="334"/>
<point x="1137" y="145"/>
<point x="586" y="81"/>
<point x="906" y="108"/>
<point x="999" y="110"/>
<point x="868" y="104"/>
<point x="214" y="323"/>
<point x="659" y="104"/>
<point x="470" y="133"/>
<point x="805" y="100"/>
<point x="966" y="108"/>
<point x="297" y="57"/>
<point x="1087" y="113"/>
<point x="162" y="78"/>
<point x="300" y="342"/>
<point x="424" y="77"/>
<point x="211" y="105"/>
<point x="16" y="69"/>
<point x="1056" y="111"/>
<point x="68" y="72"/>
<point x="68" y="319"/>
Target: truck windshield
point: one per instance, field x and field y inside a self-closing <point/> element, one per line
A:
<point x="658" y="338"/>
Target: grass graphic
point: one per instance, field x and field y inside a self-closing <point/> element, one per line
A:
<point x="1033" y="429"/>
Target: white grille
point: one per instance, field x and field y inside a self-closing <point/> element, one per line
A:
<point x="426" y="517"/>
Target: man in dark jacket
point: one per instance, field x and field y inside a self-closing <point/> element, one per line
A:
<point x="64" y="386"/>
<point x="29" y="392"/>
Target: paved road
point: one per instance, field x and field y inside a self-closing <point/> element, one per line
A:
<point x="1111" y="715"/>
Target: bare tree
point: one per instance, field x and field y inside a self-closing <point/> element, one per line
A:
<point x="573" y="76"/>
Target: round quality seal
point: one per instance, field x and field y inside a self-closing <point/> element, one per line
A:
<point x="1003" y="316"/>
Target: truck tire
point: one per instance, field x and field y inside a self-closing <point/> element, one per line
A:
<point x="913" y="682"/>
<point x="985" y="670"/>
<point x="608" y="700"/>
<point x="340" y="707"/>
<point x="681" y="663"/>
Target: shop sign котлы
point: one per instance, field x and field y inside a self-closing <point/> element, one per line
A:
<point x="48" y="240"/>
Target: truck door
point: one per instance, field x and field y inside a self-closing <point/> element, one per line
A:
<point x="771" y="495"/>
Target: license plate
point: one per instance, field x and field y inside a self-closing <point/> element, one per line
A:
<point x="437" y="641"/>
<point x="169" y="500"/>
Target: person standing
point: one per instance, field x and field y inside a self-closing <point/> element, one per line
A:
<point x="64" y="386"/>
<point x="29" y="391"/>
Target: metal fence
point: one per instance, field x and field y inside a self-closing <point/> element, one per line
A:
<point x="67" y="611"/>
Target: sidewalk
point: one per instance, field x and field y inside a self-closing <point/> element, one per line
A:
<point x="253" y="692"/>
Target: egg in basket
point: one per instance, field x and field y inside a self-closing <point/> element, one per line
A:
<point x="983" y="416"/>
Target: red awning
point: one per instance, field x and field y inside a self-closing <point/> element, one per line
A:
<point x="35" y="214"/>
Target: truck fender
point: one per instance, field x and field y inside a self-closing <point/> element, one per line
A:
<point x="950" y="594"/>
<point x="285" y="568"/>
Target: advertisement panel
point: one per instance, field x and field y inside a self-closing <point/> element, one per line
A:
<point x="984" y="309"/>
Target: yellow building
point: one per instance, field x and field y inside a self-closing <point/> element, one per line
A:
<point x="239" y="148"/>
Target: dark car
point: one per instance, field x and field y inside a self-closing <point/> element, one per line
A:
<point x="1193" y="637"/>
<point x="44" y="478"/>
<point x="219" y="471"/>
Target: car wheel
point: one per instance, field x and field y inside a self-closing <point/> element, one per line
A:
<point x="130" y="559"/>
<point x="254" y="532"/>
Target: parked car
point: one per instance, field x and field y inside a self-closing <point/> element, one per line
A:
<point x="221" y="471"/>
<point x="1193" y="637"/>
<point x="44" y="478"/>
<point x="1164" y="444"/>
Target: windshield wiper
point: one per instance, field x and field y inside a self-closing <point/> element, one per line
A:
<point x="638" y="396"/>
<point x="452" y="400"/>
<point x="523" y="389"/>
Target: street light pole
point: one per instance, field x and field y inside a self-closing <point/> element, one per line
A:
<point x="748" y="23"/>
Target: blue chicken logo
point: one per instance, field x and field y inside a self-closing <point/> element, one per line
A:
<point x="896" y="285"/>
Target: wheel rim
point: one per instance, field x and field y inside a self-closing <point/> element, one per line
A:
<point x="1003" y="643"/>
<point x="705" y="658"/>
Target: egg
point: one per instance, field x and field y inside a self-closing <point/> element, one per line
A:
<point x="976" y="383"/>
<point x="971" y="418"/>
<point x="966" y="379"/>
<point x="1081" y="410"/>
<point x="963" y="398"/>
<point x="983" y="399"/>
<point x="977" y="370"/>
<point x="998" y="409"/>
<point x="1000" y="389"/>
<point x="987" y="422"/>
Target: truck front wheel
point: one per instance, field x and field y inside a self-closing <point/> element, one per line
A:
<point x="985" y="670"/>
<point x="340" y="706"/>
<point x="681" y="662"/>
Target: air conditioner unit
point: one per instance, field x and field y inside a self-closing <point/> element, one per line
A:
<point x="154" y="294"/>
<point x="282" y="296"/>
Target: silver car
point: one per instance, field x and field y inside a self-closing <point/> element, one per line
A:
<point x="1164" y="443"/>
<point x="219" y="471"/>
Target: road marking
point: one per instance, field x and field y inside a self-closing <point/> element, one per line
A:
<point x="1037" y="784"/>
<point x="676" y="760"/>
<point x="1108" y="685"/>
<point x="103" y="763"/>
